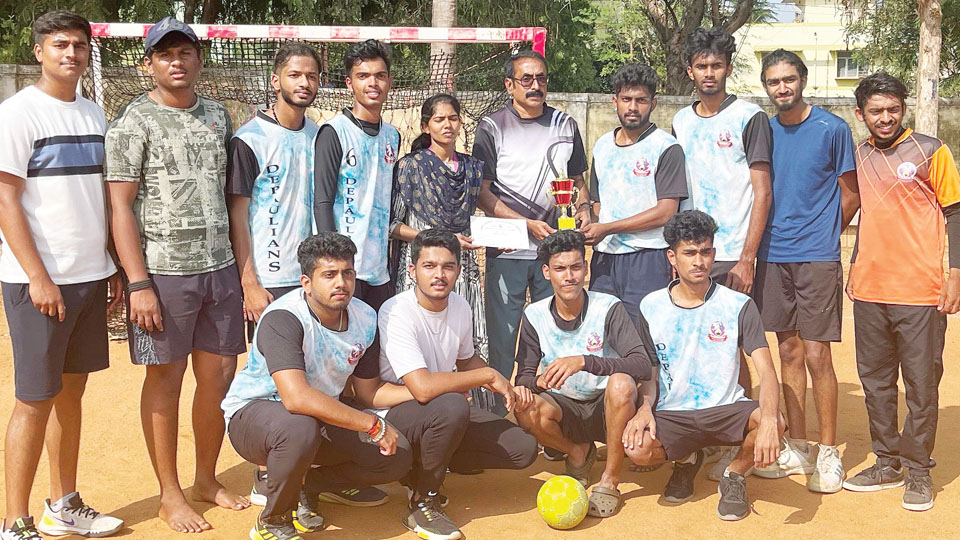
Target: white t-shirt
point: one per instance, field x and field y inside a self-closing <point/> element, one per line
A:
<point x="56" y="147"/>
<point x="412" y="337"/>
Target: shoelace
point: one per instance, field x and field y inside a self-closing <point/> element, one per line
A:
<point x="28" y="533"/>
<point x="430" y="508"/>
<point x="829" y="462"/>
<point x="736" y="491"/>
<point x="918" y="483"/>
<point x="84" y="511"/>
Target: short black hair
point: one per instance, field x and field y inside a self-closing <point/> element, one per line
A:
<point x="713" y="41"/>
<point x="880" y="82"/>
<point x="434" y="238"/>
<point x="785" y="56"/>
<point x="634" y="76"/>
<point x="561" y="242"/>
<point x="509" y="66"/>
<point x="58" y="21"/>
<point x="370" y="49"/>
<point x="173" y="39"/>
<point x="325" y="245"/>
<point x="293" y="48"/>
<point x="689" y="226"/>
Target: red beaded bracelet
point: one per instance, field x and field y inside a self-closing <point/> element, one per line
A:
<point x="375" y="427"/>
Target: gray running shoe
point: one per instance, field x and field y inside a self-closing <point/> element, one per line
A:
<point x="429" y="521"/>
<point x="733" y="505"/>
<point x="918" y="495"/>
<point x="274" y="528"/>
<point x="21" y="529"/>
<point x="307" y="517"/>
<point x="875" y="478"/>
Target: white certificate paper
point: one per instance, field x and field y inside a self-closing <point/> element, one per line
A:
<point x="500" y="233"/>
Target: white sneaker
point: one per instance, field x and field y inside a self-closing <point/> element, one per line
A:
<point x="829" y="476"/>
<point x="793" y="460"/>
<point x="77" y="518"/>
<point x="726" y="458"/>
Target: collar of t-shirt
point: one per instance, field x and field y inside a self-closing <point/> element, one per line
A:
<point x="513" y="110"/>
<point x="563" y="324"/>
<point x="904" y="132"/>
<point x="370" y="128"/>
<point x="710" y="291"/>
<point x="646" y="133"/>
<point x="264" y="116"/>
<point x="727" y="101"/>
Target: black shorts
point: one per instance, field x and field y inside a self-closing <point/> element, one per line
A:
<point x="276" y="293"/>
<point x="720" y="269"/>
<point x="200" y="311"/>
<point x="630" y="276"/>
<point x="374" y="295"/>
<point x="803" y="297"/>
<point x="580" y="421"/>
<point x="683" y="432"/>
<point x="44" y="348"/>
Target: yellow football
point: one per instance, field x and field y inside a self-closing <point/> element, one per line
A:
<point x="562" y="502"/>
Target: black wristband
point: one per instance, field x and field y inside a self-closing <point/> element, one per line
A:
<point x="140" y="285"/>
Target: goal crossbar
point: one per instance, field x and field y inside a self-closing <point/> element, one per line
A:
<point x="536" y="35"/>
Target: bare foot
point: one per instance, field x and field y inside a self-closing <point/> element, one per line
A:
<point x="217" y="494"/>
<point x="181" y="517"/>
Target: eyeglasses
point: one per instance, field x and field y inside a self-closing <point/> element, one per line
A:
<point x="527" y="80"/>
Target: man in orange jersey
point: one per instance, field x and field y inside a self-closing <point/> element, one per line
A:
<point x="908" y="184"/>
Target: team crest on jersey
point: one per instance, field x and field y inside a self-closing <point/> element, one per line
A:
<point x="725" y="138"/>
<point x="389" y="155"/>
<point x="642" y="168"/>
<point x="356" y="352"/>
<point x="594" y="342"/>
<point x="718" y="332"/>
<point x="907" y="172"/>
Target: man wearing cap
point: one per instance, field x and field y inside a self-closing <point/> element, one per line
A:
<point x="166" y="160"/>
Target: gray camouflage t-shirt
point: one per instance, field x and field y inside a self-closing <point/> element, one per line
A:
<point x="179" y="157"/>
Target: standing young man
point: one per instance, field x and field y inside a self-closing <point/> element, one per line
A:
<point x="284" y="408"/>
<point x="355" y="155"/>
<point x="428" y="366"/>
<point x="166" y="173"/>
<point x="590" y="358"/>
<point x="55" y="272"/>
<point x="799" y="277"/>
<point x="638" y="179"/>
<point x="520" y="145"/>
<point x="908" y="185"/>
<point x="728" y="146"/>
<point x="699" y="329"/>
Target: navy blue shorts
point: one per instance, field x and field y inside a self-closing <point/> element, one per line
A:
<point x="630" y="276"/>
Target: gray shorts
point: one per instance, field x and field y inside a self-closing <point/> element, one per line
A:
<point x="804" y="297"/>
<point x="44" y="348"/>
<point x="580" y="421"/>
<point x="202" y="312"/>
<point x="683" y="432"/>
<point x="720" y="269"/>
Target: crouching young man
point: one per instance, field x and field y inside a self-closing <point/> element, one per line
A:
<point x="428" y="366"/>
<point x="284" y="410"/>
<point x="591" y="358"/>
<point x="698" y="328"/>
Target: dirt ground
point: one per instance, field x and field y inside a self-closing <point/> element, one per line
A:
<point x="116" y="477"/>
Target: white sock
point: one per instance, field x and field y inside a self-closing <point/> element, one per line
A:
<point x="799" y="444"/>
<point x="689" y="459"/>
<point x="56" y="506"/>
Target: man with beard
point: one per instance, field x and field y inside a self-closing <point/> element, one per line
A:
<point x="728" y="145"/>
<point x="166" y="164"/>
<point x="799" y="277"/>
<point x="520" y="145"/>
<point x="638" y="180"/>
<point x="428" y="366"/>
<point x="908" y="185"/>
<point x="285" y="409"/>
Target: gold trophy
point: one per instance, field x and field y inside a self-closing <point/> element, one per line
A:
<point x="564" y="197"/>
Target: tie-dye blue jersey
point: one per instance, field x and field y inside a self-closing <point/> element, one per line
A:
<point x="627" y="186"/>
<point x="281" y="203"/>
<point x="697" y="349"/>
<point x="586" y="339"/>
<point x="362" y="207"/>
<point x="329" y="356"/>
<point x="718" y="170"/>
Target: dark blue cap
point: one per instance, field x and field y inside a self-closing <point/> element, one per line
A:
<point x="163" y="27"/>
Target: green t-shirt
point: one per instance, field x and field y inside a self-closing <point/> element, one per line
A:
<point x="179" y="157"/>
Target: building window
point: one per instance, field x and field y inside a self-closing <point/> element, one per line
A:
<point x="848" y="67"/>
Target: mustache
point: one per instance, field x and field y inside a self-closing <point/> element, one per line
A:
<point x="534" y="93"/>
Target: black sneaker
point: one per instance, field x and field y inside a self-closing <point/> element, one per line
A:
<point x="365" y="496"/>
<point x="552" y="454"/>
<point x="875" y="478"/>
<point x="259" y="489"/>
<point x="22" y="529"/>
<point x="680" y="486"/>
<point x="274" y="528"/>
<point x="733" y="504"/>
<point x="918" y="495"/>
<point x="429" y="522"/>
<point x="307" y="517"/>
